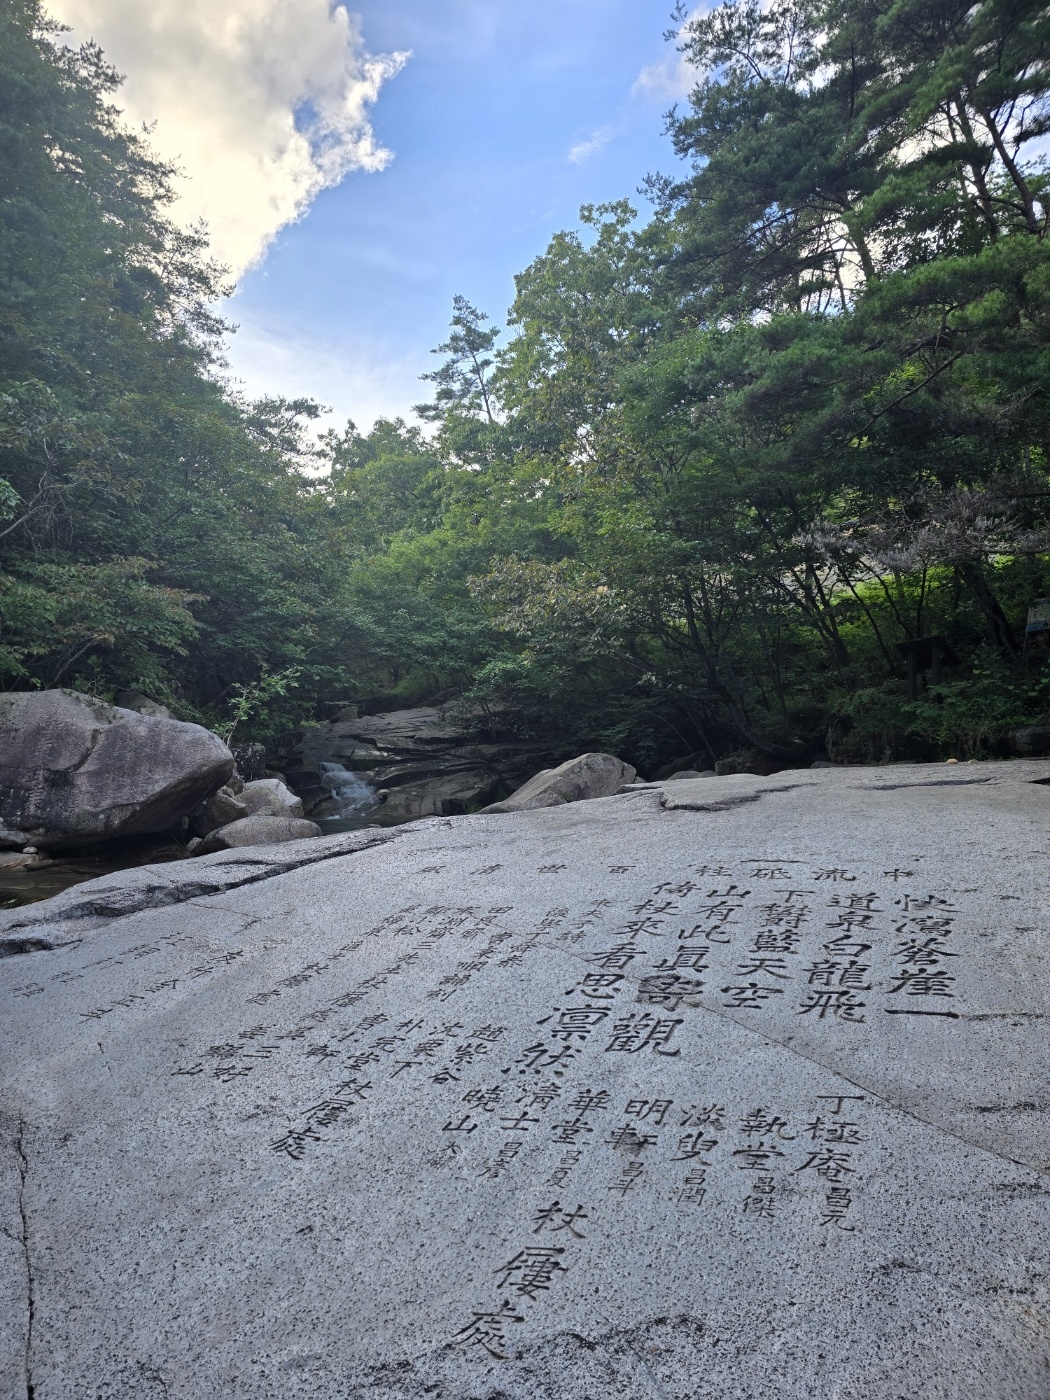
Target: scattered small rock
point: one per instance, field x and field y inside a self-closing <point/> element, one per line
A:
<point x="220" y="809"/>
<point x="261" y="829"/>
<point x="270" y="796"/>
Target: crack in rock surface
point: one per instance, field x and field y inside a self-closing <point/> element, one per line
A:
<point x="23" y="1175"/>
<point x="64" y="918"/>
<point x="737" y="1090"/>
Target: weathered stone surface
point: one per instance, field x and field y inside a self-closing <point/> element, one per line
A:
<point x="1032" y="742"/>
<point x="576" y="780"/>
<point x="726" y="1087"/>
<point x="142" y="704"/>
<point x="83" y="909"/>
<point x="420" y="762"/>
<point x="691" y="773"/>
<point x="260" y="829"/>
<point x="270" y="797"/>
<point x="74" y="770"/>
<point x="219" y="810"/>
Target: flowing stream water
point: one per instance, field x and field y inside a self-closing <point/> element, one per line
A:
<point x="354" y="798"/>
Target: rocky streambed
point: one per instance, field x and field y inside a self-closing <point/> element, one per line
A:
<point x="392" y="768"/>
<point x="89" y="789"/>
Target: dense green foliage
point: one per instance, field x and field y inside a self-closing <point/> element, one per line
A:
<point x="726" y="461"/>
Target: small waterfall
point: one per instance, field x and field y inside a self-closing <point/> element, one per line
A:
<point x="353" y="796"/>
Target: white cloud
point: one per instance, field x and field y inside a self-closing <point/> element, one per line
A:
<point x="583" y="150"/>
<point x="363" y="381"/>
<point x="262" y="103"/>
<point x="670" y="79"/>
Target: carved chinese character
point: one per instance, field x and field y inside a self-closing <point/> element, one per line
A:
<point x="543" y="1056"/>
<point x="687" y="956"/>
<point x="620" y="956"/>
<point x="829" y="1164"/>
<point x="601" y="986"/>
<point x="933" y="982"/>
<point x="577" y="1022"/>
<point x="484" y="1099"/>
<point x="518" y="1123"/>
<point x="761" y="966"/>
<point x="760" y="1201"/>
<point x="712" y="1116"/>
<point x="554" y="1217"/>
<point x="757" y="1156"/>
<point x="749" y="996"/>
<point x="589" y="1101"/>
<point x="831" y="972"/>
<point x="570" y="1131"/>
<point x="293" y="1144"/>
<point x="761" y="1123"/>
<point x="488" y="1330"/>
<point x="839" y="1003"/>
<point x="776" y="941"/>
<point x="628" y="1139"/>
<point x="541" y="1097"/>
<point x="692" y="1145"/>
<point x="639" y="1032"/>
<point x="837" y="1130"/>
<point x="503" y="1158"/>
<point x="465" y="1125"/>
<point x="693" y="1188"/>
<point x="648" y="1108"/>
<point x="837" y="1203"/>
<point x="532" y="1270"/>
<point x="925" y="954"/>
<point x="670" y="990"/>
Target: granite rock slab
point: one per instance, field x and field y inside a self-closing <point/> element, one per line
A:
<point x="75" y="771"/>
<point x="724" y="1087"/>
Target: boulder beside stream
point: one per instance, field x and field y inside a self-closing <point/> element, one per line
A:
<point x="75" y="771"/>
<point x="576" y="780"/>
<point x="259" y="829"/>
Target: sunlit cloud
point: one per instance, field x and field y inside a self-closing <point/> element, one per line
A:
<point x="262" y="104"/>
<point x="363" y="380"/>
<point x="583" y="150"/>
<point x="672" y="78"/>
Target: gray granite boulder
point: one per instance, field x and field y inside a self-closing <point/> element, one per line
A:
<point x="269" y="797"/>
<point x="576" y="780"/>
<point x="260" y="829"/>
<point x="74" y="770"/>
<point x="723" y="1087"/>
<point x="1032" y="742"/>
<point x="222" y="808"/>
<point x="142" y="704"/>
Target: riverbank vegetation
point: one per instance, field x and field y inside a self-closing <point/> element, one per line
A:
<point x="724" y="462"/>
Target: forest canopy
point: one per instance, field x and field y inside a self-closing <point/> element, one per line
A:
<point x="726" y="460"/>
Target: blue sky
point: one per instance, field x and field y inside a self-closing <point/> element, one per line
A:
<point x="506" y="119"/>
<point x="366" y="161"/>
